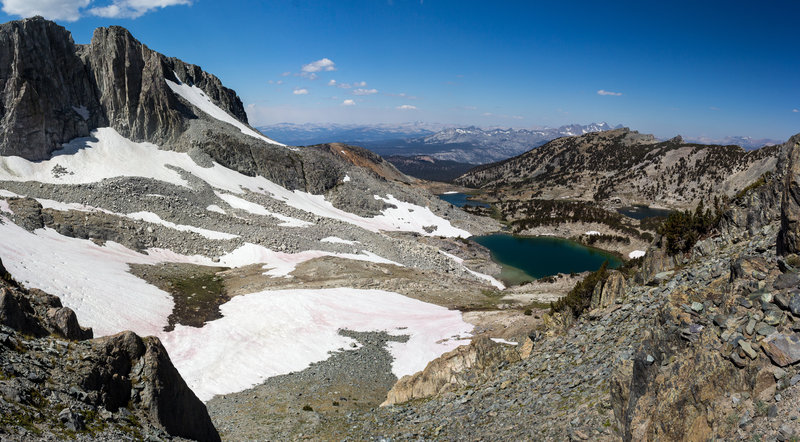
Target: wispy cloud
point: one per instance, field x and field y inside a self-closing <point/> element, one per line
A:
<point x="407" y="107"/>
<point x="605" y="92"/>
<point x="332" y="82"/>
<point x="275" y="81"/>
<point x="795" y="110"/>
<point x="325" y="64"/>
<point x="469" y="107"/>
<point x="714" y="108"/>
<point x="133" y="8"/>
<point x="365" y="91"/>
<point x="300" y="91"/>
<point x="402" y="95"/>
<point x="71" y="10"/>
<point x="348" y="102"/>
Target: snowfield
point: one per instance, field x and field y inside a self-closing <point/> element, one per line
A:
<point x="199" y="99"/>
<point x="260" y="335"/>
<point x="107" y="154"/>
<point x="270" y="333"/>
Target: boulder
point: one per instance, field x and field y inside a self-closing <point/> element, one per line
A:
<point x="64" y="321"/>
<point x="138" y="370"/>
<point x="457" y="368"/>
<point x="782" y="349"/>
<point x="16" y="312"/>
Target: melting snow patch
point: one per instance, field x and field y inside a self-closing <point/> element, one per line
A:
<point x="503" y="341"/>
<point x="271" y="333"/>
<point x="257" y="209"/>
<point x="451" y="192"/>
<point x="497" y="284"/>
<point x="90" y="279"/>
<point x="198" y="98"/>
<point x="636" y="254"/>
<point x="152" y="218"/>
<point x="5" y="208"/>
<point x="215" y="208"/>
<point x="411" y="217"/>
<point x="592" y="232"/>
<point x="346" y="179"/>
<point x="336" y="240"/>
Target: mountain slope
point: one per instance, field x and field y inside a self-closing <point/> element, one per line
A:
<point x="624" y="166"/>
<point x="161" y="211"/>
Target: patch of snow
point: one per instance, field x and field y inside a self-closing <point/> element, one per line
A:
<point x="636" y="254"/>
<point x="280" y="264"/>
<point x="346" y="179"/>
<point x="82" y="111"/>
<point x="503" y="341"/>
<point x="215" y="208"/>
<point x="64" y="207"/>
<point x="411" y="217"/>
<point x="257" y="209"/>
<point x="199" y="99"/>
<point x="451" y="192"/>
<point x="336" y="240"/>
<point x="497" y="284"/>
<point x="592" y="232"/>
<point x="5" y="208"/>
<point x="90" y="279"/>
<point x="270" y="333"/>
<point x="153" y="218"/>
<point x="7" y="194"/>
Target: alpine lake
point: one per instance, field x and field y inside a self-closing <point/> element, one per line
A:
<point x="527" y="258"/>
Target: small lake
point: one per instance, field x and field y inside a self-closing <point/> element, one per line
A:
<point x="460" y="200"/>
<point x="642" y="212"/>
<point x="527" y="258"/>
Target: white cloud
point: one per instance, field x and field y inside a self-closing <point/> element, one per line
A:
<point x="360" y="84"/>
<point x="407" y="107"/>
<point x="348" y="102"/>
<point x="300" y="91"/>
<point x="71" y="10"/>
<point x="487" y="114"/>
<point x="604" y="92"/>
<point x="365" y="91"/>
<point x="286" y="74"/>
<point x="67" y="10"/>
<point x="133" y="8"/>
<point x="795" y="110"/>
<point x="332" y="83"/>
<point x="275" y="82"/>
<point x="324" y="64"/>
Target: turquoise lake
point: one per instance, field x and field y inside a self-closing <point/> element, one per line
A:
<point x="460" y="200"/>
<point x="527" y="258"/>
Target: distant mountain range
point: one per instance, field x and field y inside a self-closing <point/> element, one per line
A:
<point x="470" y="145"/>
<point x="748" y="143"/>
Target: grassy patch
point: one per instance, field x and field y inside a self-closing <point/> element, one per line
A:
<point x="196" y="290"/>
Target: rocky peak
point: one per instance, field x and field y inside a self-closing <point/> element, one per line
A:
<point x="54" y="91"/>
<point x="47" y="97"/>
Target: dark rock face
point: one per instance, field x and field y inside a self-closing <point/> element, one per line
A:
<point x="16" y="312"/>
<point x="151" y="382"/>
<point x="54" y="91"/>
<point x="43" y="82"/>
<point x="789" y="235"/>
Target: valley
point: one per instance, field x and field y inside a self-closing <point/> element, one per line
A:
<point x="169" y="272"/>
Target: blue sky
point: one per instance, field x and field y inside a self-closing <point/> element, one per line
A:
<point x="693" y="68"/>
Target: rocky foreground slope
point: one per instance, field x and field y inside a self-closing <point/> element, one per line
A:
<point x="698" y="346"/>
<point x="56" y="382"/>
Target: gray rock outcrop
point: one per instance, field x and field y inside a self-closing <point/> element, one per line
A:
<point x="45" y="89"/>
<point x="789" y="235"/>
